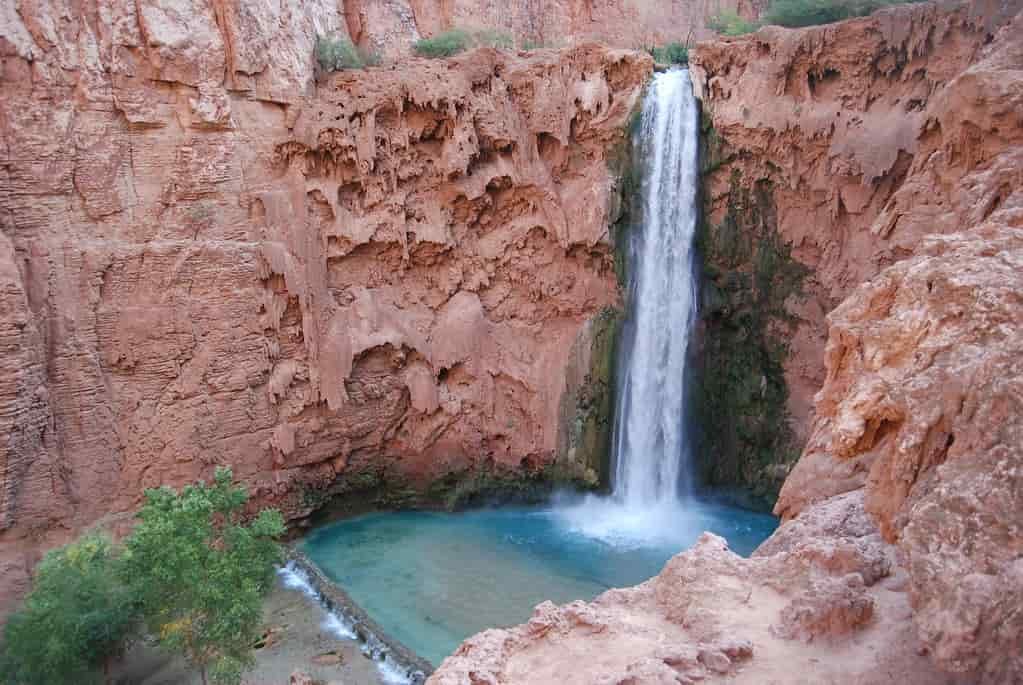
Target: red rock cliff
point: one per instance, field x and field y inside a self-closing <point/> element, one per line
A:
<point x="206" y="258"/>
<point x="832" y="151"/>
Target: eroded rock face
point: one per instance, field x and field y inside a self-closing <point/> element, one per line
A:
<point x="623" y="23"/>
<point x="838" y="148"/>
<point x="208" y="259"/>
<point x="922" y="405"/>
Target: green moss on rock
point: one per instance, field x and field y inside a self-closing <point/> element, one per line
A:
<point x="741" y="394"/>
<point x="624" y="170"/>
<point x="587" y="403"/>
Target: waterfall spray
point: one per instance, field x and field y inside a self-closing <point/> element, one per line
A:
<point x="651" y="445"/>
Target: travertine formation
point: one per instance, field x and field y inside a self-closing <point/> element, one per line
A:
<point x="846" y="144"/>
<point x="922" y="405"/>
<point x="901" y="558"/>
<point x="208" y="259"/>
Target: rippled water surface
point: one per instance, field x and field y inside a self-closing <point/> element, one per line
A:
<point x="432" y="579"/>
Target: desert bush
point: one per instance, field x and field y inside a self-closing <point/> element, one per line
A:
<point x="798" y="13"/>
<point x="731" y="24"/>
<point x="337" y="53"/>
<point x="74" y="621"/>
<point x="443" y="44"/>
<point x="454" y="41"/>
<point x="491" y="38"/>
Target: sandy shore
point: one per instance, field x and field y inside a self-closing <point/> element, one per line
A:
<point x="297" y="637"/>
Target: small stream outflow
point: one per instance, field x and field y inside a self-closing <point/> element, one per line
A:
<point x="651" y="445"/>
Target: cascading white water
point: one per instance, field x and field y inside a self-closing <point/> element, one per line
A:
<point x="650" y="444"/>
<point x="651" y="448"/>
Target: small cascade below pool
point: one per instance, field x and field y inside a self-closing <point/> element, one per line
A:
<point x="432" y="579"/>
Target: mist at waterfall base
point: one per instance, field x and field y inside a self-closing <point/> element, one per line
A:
<point x="432" y="579"/>
<point x="652" y="482"/>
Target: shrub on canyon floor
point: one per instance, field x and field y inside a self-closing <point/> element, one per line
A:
<point x="796" y="13"/>
<point x="74" y="621"/>
<point x="454" y="41"/>
<point x="443" y="44"/>
<point x="491" y="38"/>
<point x="337" y="53"/>
<point x="200" y="573"/>
<point x="192" y="571"/>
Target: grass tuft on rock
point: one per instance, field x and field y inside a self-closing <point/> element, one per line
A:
<point x="456" y="40"/>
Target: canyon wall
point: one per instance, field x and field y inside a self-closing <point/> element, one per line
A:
<point x="829" y="154"/>
<point x="622" y="23"/>
<point x="390" y="27"/>
<point x="897" y="184"/>
<point x="207" y="258"/>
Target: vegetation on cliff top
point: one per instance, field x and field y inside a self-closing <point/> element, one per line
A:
<point x="456" y="40"/>
<point x="798" y="13"/>
<point x="192" y="572"/>
<point x="338" y="53"/>
<point x="672" y="53"/>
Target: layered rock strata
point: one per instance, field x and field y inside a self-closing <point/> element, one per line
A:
<point x="208" y="259"/>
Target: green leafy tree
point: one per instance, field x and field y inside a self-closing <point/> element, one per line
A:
<point x="74" y="621"/>
<point x="200" y="573"/>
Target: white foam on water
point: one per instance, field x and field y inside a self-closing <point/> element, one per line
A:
<point x="391" y="673"/>
<point x="335" y="626"/>
<point x="651" y="447"/>
<point x="628" y="526"/>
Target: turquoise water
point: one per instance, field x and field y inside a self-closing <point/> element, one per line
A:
<point x="432" y="579"/>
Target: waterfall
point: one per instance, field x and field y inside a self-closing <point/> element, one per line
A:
<point x="651" y="446"/>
